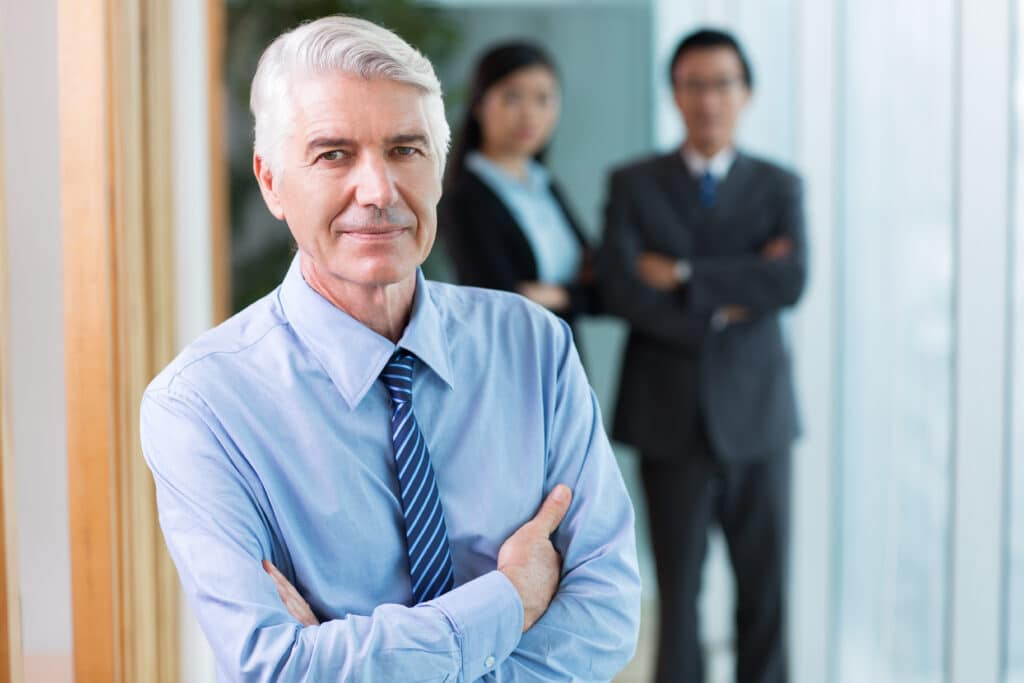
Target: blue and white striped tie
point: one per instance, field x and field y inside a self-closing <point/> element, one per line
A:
<point x="430" y="560"/>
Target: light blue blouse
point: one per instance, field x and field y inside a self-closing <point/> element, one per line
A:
<point x="555" y="246"/>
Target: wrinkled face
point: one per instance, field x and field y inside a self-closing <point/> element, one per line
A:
<point x="519" y="112"/>
<point x="357" y="182"/>
<point x="710" y="93"/>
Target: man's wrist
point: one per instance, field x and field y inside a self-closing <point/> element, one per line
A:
<point x="683" y="271"/>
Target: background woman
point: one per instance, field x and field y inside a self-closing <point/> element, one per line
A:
<point x="506" y="222"/>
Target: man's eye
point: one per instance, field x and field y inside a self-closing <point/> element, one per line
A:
<point x="404" y="151"/>
<point x="333" y="155"/>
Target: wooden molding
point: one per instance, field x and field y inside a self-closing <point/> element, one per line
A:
<point x="10" y="604"/>
<point x="220" y="219"/>
<point x="116" y="187"/>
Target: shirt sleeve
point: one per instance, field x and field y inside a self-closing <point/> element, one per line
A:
<point x="589" y="632"/>
<point x="217" y="537"/>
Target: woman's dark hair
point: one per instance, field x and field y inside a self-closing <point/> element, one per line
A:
<point x="495" y="64"/>
<point x="709" y="38"/>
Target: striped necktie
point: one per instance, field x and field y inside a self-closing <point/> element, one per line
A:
<point x="430" y="560"/>
<point x="708" y="185"/>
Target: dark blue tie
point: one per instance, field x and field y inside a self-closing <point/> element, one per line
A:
<point x="707" y="190"/>
<point x="430" y="559"/>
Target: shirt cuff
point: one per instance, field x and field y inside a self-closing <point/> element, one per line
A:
<point x="487" y="617"/>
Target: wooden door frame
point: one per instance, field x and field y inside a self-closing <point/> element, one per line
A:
<point x="10" y="604"/>
<point x="118" y="266"/>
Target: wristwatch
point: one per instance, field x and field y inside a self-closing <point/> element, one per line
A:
<point x="683" y="270"/>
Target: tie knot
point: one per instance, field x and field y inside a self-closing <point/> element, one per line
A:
<point x="397" y="376"/>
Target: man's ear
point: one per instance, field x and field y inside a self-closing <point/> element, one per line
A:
<point x="268" y="186"/>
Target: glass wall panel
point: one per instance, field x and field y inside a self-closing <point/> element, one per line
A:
<point x="1015" y="603"/>
<point x="896" y="216"/>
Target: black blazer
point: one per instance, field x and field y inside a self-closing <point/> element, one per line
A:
<point x="682" y="382"/>
<point x="488" y="248"/>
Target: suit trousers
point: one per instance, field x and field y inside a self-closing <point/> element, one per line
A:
<point x="686" y="495"/>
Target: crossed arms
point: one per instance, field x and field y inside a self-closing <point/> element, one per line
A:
<point x="496" y="627"/>
<point x="645" y="287"/>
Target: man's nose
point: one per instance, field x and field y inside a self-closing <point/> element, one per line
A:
<point x="375" y="185"/>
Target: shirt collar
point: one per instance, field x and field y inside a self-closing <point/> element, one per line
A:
<point x="351" y="353"/>
<point x="718" y="165"/>
<point x="537" y="176"/>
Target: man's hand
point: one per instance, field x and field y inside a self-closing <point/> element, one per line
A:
<point x="776" y="249"/>
<point x="735" y="314"/>
<point x="657" y="270"/>
<point x="530" y="561"/>
<point x="551" y="297"/>
<point x="295" y="603"/>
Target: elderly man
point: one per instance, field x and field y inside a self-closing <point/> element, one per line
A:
<point x="349" y="472"/>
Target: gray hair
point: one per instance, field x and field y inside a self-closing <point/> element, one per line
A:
<point x="338" y="43"/>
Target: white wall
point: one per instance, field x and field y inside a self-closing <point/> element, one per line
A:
<point x="193" y="276"/>
<point x="31" y="170"/>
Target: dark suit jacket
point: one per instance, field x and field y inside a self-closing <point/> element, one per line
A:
<point x="488" y="248"/>
<point x="682" y="382"/>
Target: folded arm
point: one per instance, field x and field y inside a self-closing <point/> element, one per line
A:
<point x="760" y="282"/>
<point x="664" y="315"/>
<point x="589" y="631"/>
<point x="218" y="538"/>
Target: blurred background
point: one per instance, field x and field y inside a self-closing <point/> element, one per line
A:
<point x="905" y="118"/>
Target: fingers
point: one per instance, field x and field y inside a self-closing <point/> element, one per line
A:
<point x="293" y="601"/>
<point x="285" y="589"/>
<point x="276" y="575"/>
<point x="780" y="247"/>
<point x="736" y="314"/>
<point x="552" y="510"/>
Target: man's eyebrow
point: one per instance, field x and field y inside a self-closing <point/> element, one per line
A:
<point x="321" y="142"/>
<point x="406" y="138"/>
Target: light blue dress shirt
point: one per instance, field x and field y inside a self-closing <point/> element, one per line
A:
<point x="268" y="438"/>
<point x="555" y="247"/>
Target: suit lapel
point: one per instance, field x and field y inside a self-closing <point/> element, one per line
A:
<point x="733" y="185"/>
<point x="678" y="186"/>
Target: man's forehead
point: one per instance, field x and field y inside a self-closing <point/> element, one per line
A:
<point x="337" y="102"/>
<point x="714" y="58"/>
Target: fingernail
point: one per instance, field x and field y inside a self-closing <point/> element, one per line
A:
<point x="561" y="493"/>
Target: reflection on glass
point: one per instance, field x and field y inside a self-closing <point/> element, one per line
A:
<point x="1015" y="607"/>
<point x="895" y="369"/>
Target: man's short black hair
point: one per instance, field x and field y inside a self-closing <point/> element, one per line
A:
<point x="708" y="38"/>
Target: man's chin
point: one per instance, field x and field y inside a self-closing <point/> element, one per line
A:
<point x="376" y="274"/>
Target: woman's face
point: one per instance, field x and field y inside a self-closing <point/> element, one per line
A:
<point x="518" y="113"/>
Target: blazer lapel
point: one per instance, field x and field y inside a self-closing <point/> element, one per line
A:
<point x="734" y="184"/>
<point x="678" y="186"/>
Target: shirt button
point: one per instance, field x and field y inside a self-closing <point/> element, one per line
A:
<point x="489" y="662"/>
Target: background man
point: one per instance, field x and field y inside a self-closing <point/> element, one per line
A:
<point x="338" y="467"/>
<point x="704" y="247"/>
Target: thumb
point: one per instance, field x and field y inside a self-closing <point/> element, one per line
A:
<point x="552" y="510"/>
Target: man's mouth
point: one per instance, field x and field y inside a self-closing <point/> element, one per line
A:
<point x="380" y="233"/>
